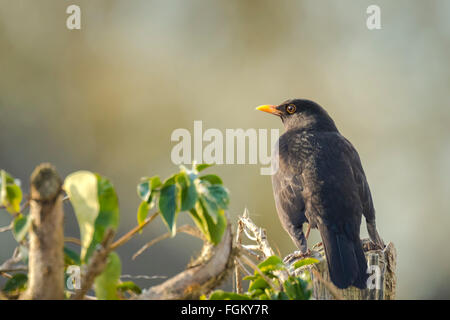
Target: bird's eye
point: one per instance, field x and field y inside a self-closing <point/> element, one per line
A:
<point x="291" y="108"/>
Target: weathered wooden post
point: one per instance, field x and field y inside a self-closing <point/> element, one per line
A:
<point x="46" y="254"/>
<point x="382" y="265"/>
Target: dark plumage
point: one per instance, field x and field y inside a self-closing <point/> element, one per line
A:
<point x="321" y="181"/>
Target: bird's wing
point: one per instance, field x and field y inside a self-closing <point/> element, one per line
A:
<point x="361" y="181"/>
<point x="288" y="198"/>
<point x="287" y="187"/>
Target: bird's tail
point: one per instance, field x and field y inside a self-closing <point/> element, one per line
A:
<point x="345" y="257"/>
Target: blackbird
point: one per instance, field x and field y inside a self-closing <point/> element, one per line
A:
<point x="320" y="180"/>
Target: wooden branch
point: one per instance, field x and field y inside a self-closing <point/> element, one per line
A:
<point x="185" y="228"/>
<point x="241" y="266"/>
<point x="15" y="269"/>
<point x="11" y="262"/>
<point x="237" y="272"/>
<point x="258" y="234"/>
<point x="46" y="257"/>
<point x="126" y="237"/>
<point x="11" y="265"/>
<point x="209" y="270"/>
<point x="73" y="240"/>
<point x="7" y="228"/>
<point x="97" y="264"/>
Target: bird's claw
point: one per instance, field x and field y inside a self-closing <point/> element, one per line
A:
<point x="297" y="255"/>
<point x="379" y="245"/>
<point x="373" y="245"/>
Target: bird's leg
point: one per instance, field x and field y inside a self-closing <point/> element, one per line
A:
<point x="296" y="255"/>
<point x="373" y="234"/>
<point x="300" y="241"/>
<point x="308" y="231"/>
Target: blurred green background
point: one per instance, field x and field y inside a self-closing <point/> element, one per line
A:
<point x="106" y="98"/>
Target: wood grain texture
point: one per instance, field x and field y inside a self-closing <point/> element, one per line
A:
<point x="384" y="260"/>
<point x="46" y="256"/>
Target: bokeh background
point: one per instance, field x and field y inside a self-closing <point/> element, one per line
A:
<point x="106" y="98"/>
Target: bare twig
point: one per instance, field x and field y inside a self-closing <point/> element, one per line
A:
<point x="72" y="240"/>
<point x="16" y="269"/>
<point x="97" y="264"/>
<point x="308" y="230"/>
<point x="6" y="275"/>
<point x="258" y="234"/>
<point x="252" y="253"/>
<point x="129" y="276"/>
<point x="7" y="228"/>
<point x="262" y="244"/>
<point x="9" y="264"/>
<point x="24" y="205"/>
<point x="185" y="228"/>
<point x="242" y="267"/>
<point x="250" y="247"/>
<point x="126" y="237"/>
<point x="237" y="273"/>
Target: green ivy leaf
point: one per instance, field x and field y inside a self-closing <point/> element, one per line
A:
<point x="71" y="257"/>
<point x="129" y="286"/>
<point x="252" y="277"/>
<point x="108" y="216"/>
<point x="222" y="295"/>
<point x="296" y="289"/>
<point x="14" y="196"/>
<point x="146" y="188"/>
<point x="220" y="194"/>
<point x="199" y="221"/>
<point x="271" y="264"/>
<point x="82" y="189"/>
<point x="17" y="283"/>
<point x="10" y="193"/>
<point x="147" y="191"/>
<point x="21" y="226"/>
<point x="202" y="166"/>
<point x="106" y="283"/>
<point x="211" y="229"/>
<point x="143" y="210"/>
<point x="281" y="296"/>
<point x="211" y="178"/>
<point x="188" y="190"/>
<point x="169" y="205"/>
<point x="290" y="289"/>
<point x="214" y="198"/>
<point x="259" y="283"/>
<point x="96" y="207"/>
<point x="256" y="293"/>
<point x="205" y="198"/>
<point x="305" y="262"/>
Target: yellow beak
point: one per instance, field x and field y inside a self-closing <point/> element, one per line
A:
<point x="270" y="109"/>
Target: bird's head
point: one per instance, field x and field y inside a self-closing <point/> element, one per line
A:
<point x="301" y="114"/>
